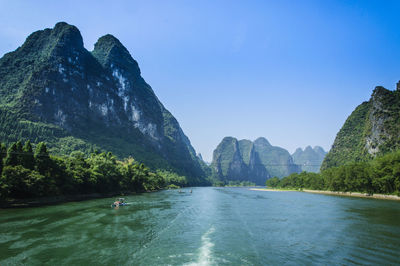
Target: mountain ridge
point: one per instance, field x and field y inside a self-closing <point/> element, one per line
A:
<point x="254" y="161"/>
<point x="52" y="89"/>
<point x="309" y="159"/>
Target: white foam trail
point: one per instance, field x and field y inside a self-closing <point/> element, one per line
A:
<point x="205" y="256"/>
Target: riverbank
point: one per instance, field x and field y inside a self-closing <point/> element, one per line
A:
<point x="336" y="193"/>
<point x="44" y="201"/>
<point x="272" y="189"/>
<point x="354" y="194"/>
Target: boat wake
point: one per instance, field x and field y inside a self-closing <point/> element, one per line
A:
<point x="205" y="251"/>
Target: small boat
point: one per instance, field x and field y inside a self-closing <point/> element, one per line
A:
<point x="119" y="202"/>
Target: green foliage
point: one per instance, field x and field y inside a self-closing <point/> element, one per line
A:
<point x="13" y="155"/>
<point x="387" y="169"/>
<point x="377" y="121"/>
<point x="49" y="77"/>
<point x="25" y="175"/>
<point x="172" y="186"/>
<point x="232" y="183"/>
<point x="349" y="144"/>
<point x="28" y="160"/>
<point x="42" y="158"/>
<point x="273" y="182"/>
<point x="3" y="154"/>
<point x="218" y="183"/>
<point x="381" y="175"/>
<point x="19" y="182"/>
<point x="171" y="178"/>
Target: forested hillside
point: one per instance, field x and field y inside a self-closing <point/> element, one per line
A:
<point x="26" y="172"/>
<point x="372" y="129"/>
<point x="54" y="90"/>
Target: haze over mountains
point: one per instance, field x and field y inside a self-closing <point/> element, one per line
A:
<point x="52" y="89"/>
<point x="244" y="160"/>
<point x="309" y="159"/>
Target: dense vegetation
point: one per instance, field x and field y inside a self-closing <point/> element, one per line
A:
<point x="372" y="129"/>
<point x="232" y="183"/>
<point x="25" y="173"/>
<point x="381" y="175"/>
<point x="55" y="91"/>
<point x="240" y="184"/>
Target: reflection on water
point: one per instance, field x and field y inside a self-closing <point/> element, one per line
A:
<point x="211" y="226"/>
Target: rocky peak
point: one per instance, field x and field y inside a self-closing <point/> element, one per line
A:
<point x="319" y="150"/>
<point x="372" y="129"/>
<point x="110" y="52"/>
<point x="298" y="151"/>
<point x="379" y="92"/>
<point x="253" y="161"/>
<point x="139" y="101"/>
<point x="67" y="35"/>
<point x="308" y="149"/>
<point x="310" y="159"/>
<point x="60" y="40"/>
<point x="261" y="141"/>
<point x="227" y="141"/>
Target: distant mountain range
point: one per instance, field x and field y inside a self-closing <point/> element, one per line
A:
<point x="309" y="159"/>
<point x="244" y="160"/>
<point x="372" y="129"/>
<point x="52" y="89"/>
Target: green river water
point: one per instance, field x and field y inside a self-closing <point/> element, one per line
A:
<point x="211" y="226"/>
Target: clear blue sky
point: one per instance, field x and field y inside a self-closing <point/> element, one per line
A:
<point x="291" y="71"/>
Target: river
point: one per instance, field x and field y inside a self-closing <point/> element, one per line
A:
<point x="211" y="226"/>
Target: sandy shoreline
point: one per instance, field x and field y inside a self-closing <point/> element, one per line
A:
<point x="337" y="193"/>
<point x="354" y="194"/>
<point x="272" y="189"/>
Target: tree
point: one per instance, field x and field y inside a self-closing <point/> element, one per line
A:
<point x="28" y="160"/>
<point x="42" y="158"/>
<point x="19" y="182"/>
<point x="13" y="155"/>
<point x="34" y="175"/>
<point x="273" y="182"/>
<point x="3" y="154"/>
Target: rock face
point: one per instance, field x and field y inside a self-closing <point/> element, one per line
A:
<point x="54" y="90"/>
<point x="276" y="160"/>
<point x="309" y="159"/>
<point x="372" y="129"/>
<point x="245" y="160"/>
